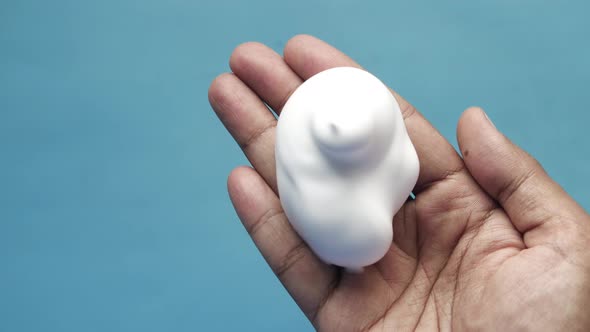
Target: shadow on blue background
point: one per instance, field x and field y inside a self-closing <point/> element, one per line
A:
<point x="113" y="207"/>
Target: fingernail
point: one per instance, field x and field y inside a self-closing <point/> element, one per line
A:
<point x="489" y="120"/>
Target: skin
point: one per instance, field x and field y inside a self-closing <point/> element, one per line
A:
<point x="491" y="242"/>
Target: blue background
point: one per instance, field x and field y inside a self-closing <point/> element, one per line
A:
<point x="114" y="214"/>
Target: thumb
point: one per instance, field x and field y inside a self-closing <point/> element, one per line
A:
<point x="538" y="207"/>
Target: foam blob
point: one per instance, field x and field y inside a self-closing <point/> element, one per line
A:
<point x="345" y="165"/>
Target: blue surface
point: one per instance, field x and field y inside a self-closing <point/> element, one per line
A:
<point x="113" y="207"/>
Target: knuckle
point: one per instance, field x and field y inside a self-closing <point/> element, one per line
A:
<point x="507" y="191"/>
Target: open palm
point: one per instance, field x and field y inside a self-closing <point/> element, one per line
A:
<point x="490" y="242"/>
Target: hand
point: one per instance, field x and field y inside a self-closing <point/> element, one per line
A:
<point x="490" y="242"/>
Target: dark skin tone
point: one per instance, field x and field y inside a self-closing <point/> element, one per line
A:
<point x="491" y="242"/>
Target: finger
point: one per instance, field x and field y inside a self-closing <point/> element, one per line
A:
<point x="248" y="120"/>
<point x="307" y="56"/>
<point x="533" y="201"/>
<point x="308" y="280"/>
<point x="265" y="72"/>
